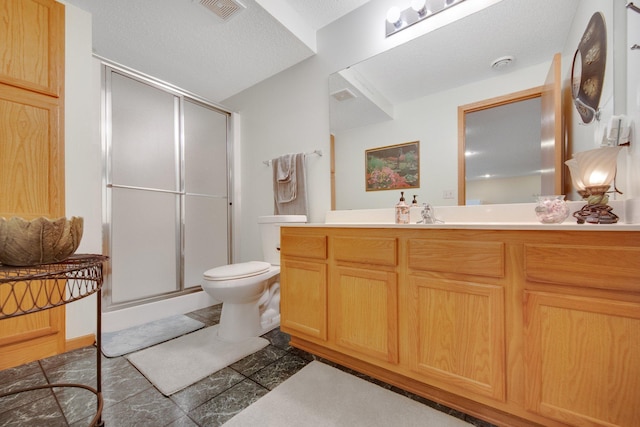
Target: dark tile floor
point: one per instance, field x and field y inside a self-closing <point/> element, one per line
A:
<point x="131" y="400"/>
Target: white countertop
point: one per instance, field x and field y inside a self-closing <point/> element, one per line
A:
<point x="519" y="216"/>
<point x="484" y="226"/>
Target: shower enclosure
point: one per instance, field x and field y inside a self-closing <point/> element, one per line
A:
<point x="166" y="204"/>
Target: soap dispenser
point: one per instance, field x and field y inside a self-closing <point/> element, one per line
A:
<point x="402" y="211"/>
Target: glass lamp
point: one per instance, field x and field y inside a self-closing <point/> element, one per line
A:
<point x="591" y="175"/>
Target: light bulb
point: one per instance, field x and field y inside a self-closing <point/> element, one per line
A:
<point x="419" y="6"/>
<point x="597" y="177"/>
<point x="393" y="17"/>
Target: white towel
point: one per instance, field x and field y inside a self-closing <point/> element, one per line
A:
<point x="290" y="196"/>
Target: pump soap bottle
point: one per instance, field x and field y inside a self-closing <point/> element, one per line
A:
<point x="402" y="211"/>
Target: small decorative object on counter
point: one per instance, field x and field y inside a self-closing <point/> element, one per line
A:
<point x="402" y="211"/>
<point x="414" y="203"/>
<point x="552" y="209"/>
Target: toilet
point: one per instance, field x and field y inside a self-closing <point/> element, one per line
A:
<point x="250" y="291"/>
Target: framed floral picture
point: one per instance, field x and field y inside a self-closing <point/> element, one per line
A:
<point x="393" y="167"/>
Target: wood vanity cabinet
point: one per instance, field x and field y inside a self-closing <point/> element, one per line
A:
<point x="582" y="330"/>
<point x="303" y="302"/>
<point x="455" y="307"/>
<point x="363" y="296"/>
<point x="516" y="327"/>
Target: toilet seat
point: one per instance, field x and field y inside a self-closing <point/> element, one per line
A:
<point x="237" y="271"/>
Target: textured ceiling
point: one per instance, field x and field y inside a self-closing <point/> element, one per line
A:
<point x="185" y="44"/>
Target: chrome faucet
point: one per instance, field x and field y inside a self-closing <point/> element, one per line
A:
<point x="428" y="215"/>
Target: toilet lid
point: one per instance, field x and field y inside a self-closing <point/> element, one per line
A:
<point x="237" y="271"/>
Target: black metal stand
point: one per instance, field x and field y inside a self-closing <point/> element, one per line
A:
<point x="32" y="289"/>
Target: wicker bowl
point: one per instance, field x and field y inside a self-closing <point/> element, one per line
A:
<point x="39" y="241"/>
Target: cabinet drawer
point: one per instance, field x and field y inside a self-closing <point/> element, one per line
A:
<point x="368" y="250"/>
<point x="605" y="267"/>
<point x="308" y="246"/>
<point x="468" y="257"/>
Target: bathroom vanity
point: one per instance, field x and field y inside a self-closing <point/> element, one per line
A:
<point x="516" y="324"/>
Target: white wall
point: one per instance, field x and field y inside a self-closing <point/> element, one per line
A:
<point x="289" y="113"/>
<point x="82" y="153"/>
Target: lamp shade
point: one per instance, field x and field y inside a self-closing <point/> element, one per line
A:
<point x="574" y="171"/>
<point x="594" y="167"/>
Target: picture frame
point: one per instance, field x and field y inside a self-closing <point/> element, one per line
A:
<point x="393" y="167"/>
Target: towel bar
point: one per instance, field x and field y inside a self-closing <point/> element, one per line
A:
<point x="316" y="152"/>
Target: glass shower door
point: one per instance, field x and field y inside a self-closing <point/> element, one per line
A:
<point x="144" y="190"/>
<point x="206" y="235"/>
<point x="167" y="190"/>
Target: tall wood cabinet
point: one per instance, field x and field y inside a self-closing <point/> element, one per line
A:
<point x="517" y="327"/>
<point x="32" y="149"/>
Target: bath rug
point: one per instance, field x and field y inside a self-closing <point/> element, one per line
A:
<point x="176" y="364"/>
<point x="142" y="336"/>
<point x="320" y="395"/>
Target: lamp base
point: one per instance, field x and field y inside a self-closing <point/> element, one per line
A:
<point x="596" y="214"/>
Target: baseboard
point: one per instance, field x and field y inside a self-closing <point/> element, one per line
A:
<point x="79" y="342"/>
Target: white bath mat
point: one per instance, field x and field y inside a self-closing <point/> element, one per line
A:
<point x="176" y="364"/>
<point x="319" y="395"/>
<point x="142" y="336"/>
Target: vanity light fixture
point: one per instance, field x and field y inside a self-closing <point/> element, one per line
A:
<point x="398" y="20"/>
<point x="592" y="173"/>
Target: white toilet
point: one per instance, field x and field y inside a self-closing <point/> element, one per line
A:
<point x="250" y="291"/>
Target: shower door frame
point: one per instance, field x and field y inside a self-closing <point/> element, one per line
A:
<point x="108" y="67"/>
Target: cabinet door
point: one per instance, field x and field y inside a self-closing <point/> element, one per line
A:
<point x="364" y="312"/>
<point x="32" y="48"/>
<point x="303" y="301"/>
<point x="457" y="334"/>
<point x="582" y="359"/>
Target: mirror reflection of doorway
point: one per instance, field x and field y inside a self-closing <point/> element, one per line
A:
<point x="502" y="153"/>
<point x="503" y="141"/>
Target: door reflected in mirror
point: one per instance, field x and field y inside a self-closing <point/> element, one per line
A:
<point x="502" y="155"/>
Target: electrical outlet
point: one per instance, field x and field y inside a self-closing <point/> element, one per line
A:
<point x="447" y="194"/>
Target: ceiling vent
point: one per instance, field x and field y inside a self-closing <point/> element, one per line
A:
<point x="502" y="62"/>
<point x="225" y="9"/>
<point x="343" y="95"/>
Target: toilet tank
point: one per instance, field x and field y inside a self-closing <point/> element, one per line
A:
<point x="270" y="234"/>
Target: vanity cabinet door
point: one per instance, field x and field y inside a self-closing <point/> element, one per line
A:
<point x="363" y="312"/>
<point x="303" y="302"/>
<point x="582" y="359"/>
<point x="457" y="339"/>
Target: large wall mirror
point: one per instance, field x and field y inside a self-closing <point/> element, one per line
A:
<point x="413" y="92"/>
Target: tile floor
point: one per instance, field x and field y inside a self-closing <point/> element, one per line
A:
<point x="131" y="400"/>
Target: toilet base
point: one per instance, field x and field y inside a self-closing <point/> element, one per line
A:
<point x="241" y="321"/>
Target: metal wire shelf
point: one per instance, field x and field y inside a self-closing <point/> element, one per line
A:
<point x="25" y="290"/>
